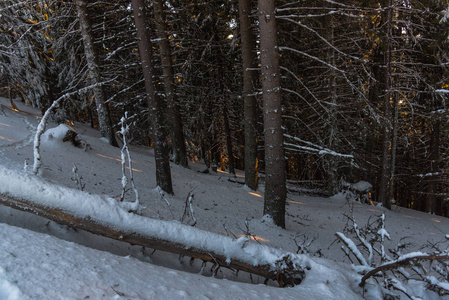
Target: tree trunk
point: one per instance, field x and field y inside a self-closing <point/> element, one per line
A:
<point x="13" y="105"/>
<point x="250" y="81"/>
<point x="228" y="135"/>
<point x="275" y="189"/>
<point x="163" y="174"/>
<point x="104" y="117"/>
<point x="331" y="161"/>
<point x="385" y="175"/>
<point x="434" y="157"/>
<point x="394" y="145"/>
<point x="177" y="134"/>
<point x="283" y="270"/>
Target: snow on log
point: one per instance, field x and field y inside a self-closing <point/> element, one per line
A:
<point x="64" y="133"/>
<point x="107" y="217"/>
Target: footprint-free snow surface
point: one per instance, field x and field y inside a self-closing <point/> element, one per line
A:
<point x="40" y="259"/>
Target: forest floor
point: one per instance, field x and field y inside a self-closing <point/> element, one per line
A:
<point x="43" y="260"/>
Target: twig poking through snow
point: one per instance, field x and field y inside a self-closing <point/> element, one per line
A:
<point x="125" y="155"/>
<point x="383" y="233"/>
<point x="304" y="244"/>
<point x="25" y="165"/>
<point x="247" y="232"/>
<point x="188" y="212"/>
<point x="228" y="233"/>
<point x="77" y="178"/>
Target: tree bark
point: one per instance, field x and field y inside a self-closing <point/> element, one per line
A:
<point x="385" y="175"/>
<point x="13" y="105"/>
<point x="331" y="161"/>
<point x="394" y="145"/>
<point x="434" y="157"/>
<point x="282" y="271"/>
<point x="163" y="173"/>
<point x="275" y="189"/>
<point x="228" y="135"/>
<point x="250" y="82"/>
<point x="177" y="134"/>
<point x="104" y="117"/>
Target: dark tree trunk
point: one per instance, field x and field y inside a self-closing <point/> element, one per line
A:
<point x="250" y="81"/>
<point x="215" y="152"/>
<point x="434" y="157"/>
<point x="275" y="188"/>
<point x="228" y="135"/>
<point x="394" y="145"/>
<point x="177" y="134"/>
<point x="331" y="161"/>
<point x="205" y="154"/>
<point x="385" y="172"/>
<point x="104" y="117"/>
<point x="163" y="174"/>
<point x="13" y="105"/>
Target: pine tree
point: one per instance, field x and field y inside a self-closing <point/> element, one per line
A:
<point x="275" y="188"/>
<point x="250" y="83"/>
<point x="177" y="134"/>
<point x="104" y="117"/>
<point x="163" y="173"/>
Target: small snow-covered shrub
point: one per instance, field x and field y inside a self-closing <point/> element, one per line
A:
<point x="77" y="178"/>
<point x="125" y="156"/>
<point x="359" y="191"/>
<point x="396" y="274"/>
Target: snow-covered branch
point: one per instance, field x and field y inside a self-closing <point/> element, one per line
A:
<point x="126" y="155"/>
<point x="315" y="148"/>
<point x="404" y="260"/>
<point x="352" y="247"/>
<point x="43" y="123"/>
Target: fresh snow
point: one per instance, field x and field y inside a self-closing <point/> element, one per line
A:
<point x="362" y="186"/>
<point x="40" y="259"/>
<point x="55" y="134"/>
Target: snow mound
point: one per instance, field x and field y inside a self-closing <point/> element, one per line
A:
<point x="362" y="186"/>
<point x="57" y="133"/>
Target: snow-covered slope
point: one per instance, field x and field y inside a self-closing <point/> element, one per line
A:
<point x="39" y="265"/>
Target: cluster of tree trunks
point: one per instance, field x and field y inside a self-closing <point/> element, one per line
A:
<point x="360" y="78"/>
<point x="104" y="116"/>
<point x="156" y="115"/>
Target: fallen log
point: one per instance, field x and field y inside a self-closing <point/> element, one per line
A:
<point x="286" y="269"/>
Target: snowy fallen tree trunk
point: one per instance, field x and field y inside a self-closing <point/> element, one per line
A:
<point x="238" y="254"/>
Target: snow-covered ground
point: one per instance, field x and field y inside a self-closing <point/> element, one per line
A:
<point x="40" y="259"/>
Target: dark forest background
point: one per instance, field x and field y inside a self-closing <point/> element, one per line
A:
<point x="364" y="84"/>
